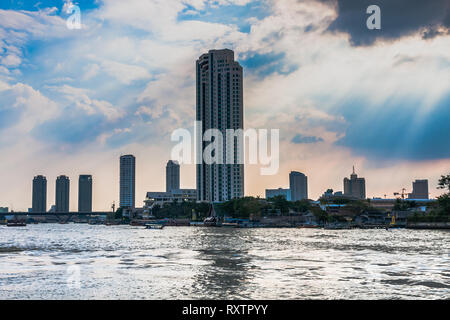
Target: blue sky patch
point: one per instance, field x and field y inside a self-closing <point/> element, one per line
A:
<point x="228" y="14"/>
<point x="300" y="139"/>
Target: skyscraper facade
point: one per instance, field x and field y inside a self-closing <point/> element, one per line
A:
<point x="420" y="190"/>
<point x="85" y="193"/>
<point x="298" y="184"/>
<point x="127" y="181"/>
<point x="355" y="187"/>
<point x="172" y="176"/>
<point x="220" y="105"/>
<point x="62" y="194"/>
<point x="39" y="201"/>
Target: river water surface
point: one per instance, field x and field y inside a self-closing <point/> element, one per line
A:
<point x="75" y="261"/>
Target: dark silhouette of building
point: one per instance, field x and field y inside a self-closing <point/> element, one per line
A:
<point x="85" y="193"/>
<point x="355" y="187"/>
<point x="420" y="190"/>
<point x="62" y="194"/>
<point x="127" y="181"/>
<point x="298" y="184"/>
<point x="39" y="195"/>
<point x="172" y="176"/>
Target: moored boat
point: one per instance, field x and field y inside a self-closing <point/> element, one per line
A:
<point x="309" y="226"/>
<point x="16" y="224"/>
<point x="154" y="226"/>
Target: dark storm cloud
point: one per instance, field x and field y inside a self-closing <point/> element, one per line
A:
<point x="399" y="18"/>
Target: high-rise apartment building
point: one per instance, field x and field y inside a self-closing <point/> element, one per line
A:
<point x="39" y="201"/>
<point x="220" y="106"/>
<point x="62" y="194"/>
<point x="85" y="193"/>
<point x="127" y="181"/>
<point x="298" y="184"/>
<point x="172" y="176"/>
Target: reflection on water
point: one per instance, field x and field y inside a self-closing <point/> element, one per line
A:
<point x="123" y="262"/>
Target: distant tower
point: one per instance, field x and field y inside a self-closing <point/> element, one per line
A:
<point x="220" y="105"/>
<point x="85" y="193"/>
<point x="420" y="190"/>
<point x="39" y="195"/>
<point x="62" y="194"/>
<point x="127" y="181"/>
<point x="355" y="187"/>
<point x="298" y="184"/>
<point x="172" y="176"/>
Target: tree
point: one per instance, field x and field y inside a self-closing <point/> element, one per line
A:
<point x="444" y="182"/>
<point x="119" y="214"/>
<point x="444" y="204"/>
<point x="300" y="206"/>
<point x="321" y="216"/>
<point x="280" y="203"/>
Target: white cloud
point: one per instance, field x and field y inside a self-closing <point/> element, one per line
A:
<point x="80" y="97"/>
<point x="125" y="73"/>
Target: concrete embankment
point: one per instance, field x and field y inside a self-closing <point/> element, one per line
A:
<point x="428" y="225"/>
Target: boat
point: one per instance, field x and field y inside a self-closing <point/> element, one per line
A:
<point x="196" y="223"/>
<point x="336" y="226"/>
<point x="136" y="223"/>
<point x="16" y="224"/>
<point x="154" y="226"/>
<point x="309" y="226"/>
<point x="393" y="224"/>
<point x="230" y="225"/>
<point x="212" y="220"/>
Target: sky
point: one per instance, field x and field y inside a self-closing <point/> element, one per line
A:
<point x="73" y="100"/>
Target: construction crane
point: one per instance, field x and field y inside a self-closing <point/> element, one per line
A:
<point x="402" y="194"/>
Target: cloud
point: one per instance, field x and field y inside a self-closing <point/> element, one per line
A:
<point x="80" y="99"/>
<point x="125" y="73"/>
<point x="22" y="108"/>
<point x="399" y="18"/>
<point x="299" y="139"/>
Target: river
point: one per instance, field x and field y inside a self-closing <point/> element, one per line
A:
<point x="78" y="261"/>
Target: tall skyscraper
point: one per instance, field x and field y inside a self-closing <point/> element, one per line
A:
<point x="62" y="194"/>
<point x="420" y="190"/>
<point x="39" y="195"/>
<point x="85" y="193"/>
<point x="298" y="184"/>
<point x="172" y="176"/>
<point x="220" y="105"/>
<point x="127" y="181"/>
<point x="355" y="187"/>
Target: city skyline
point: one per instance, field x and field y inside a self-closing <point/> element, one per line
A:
<point x="309" y="74"/>
<point x="298" y="185"/>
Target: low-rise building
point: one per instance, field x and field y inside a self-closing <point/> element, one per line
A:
<point x="160" y="198"/>
<point x="271" y="193"/>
